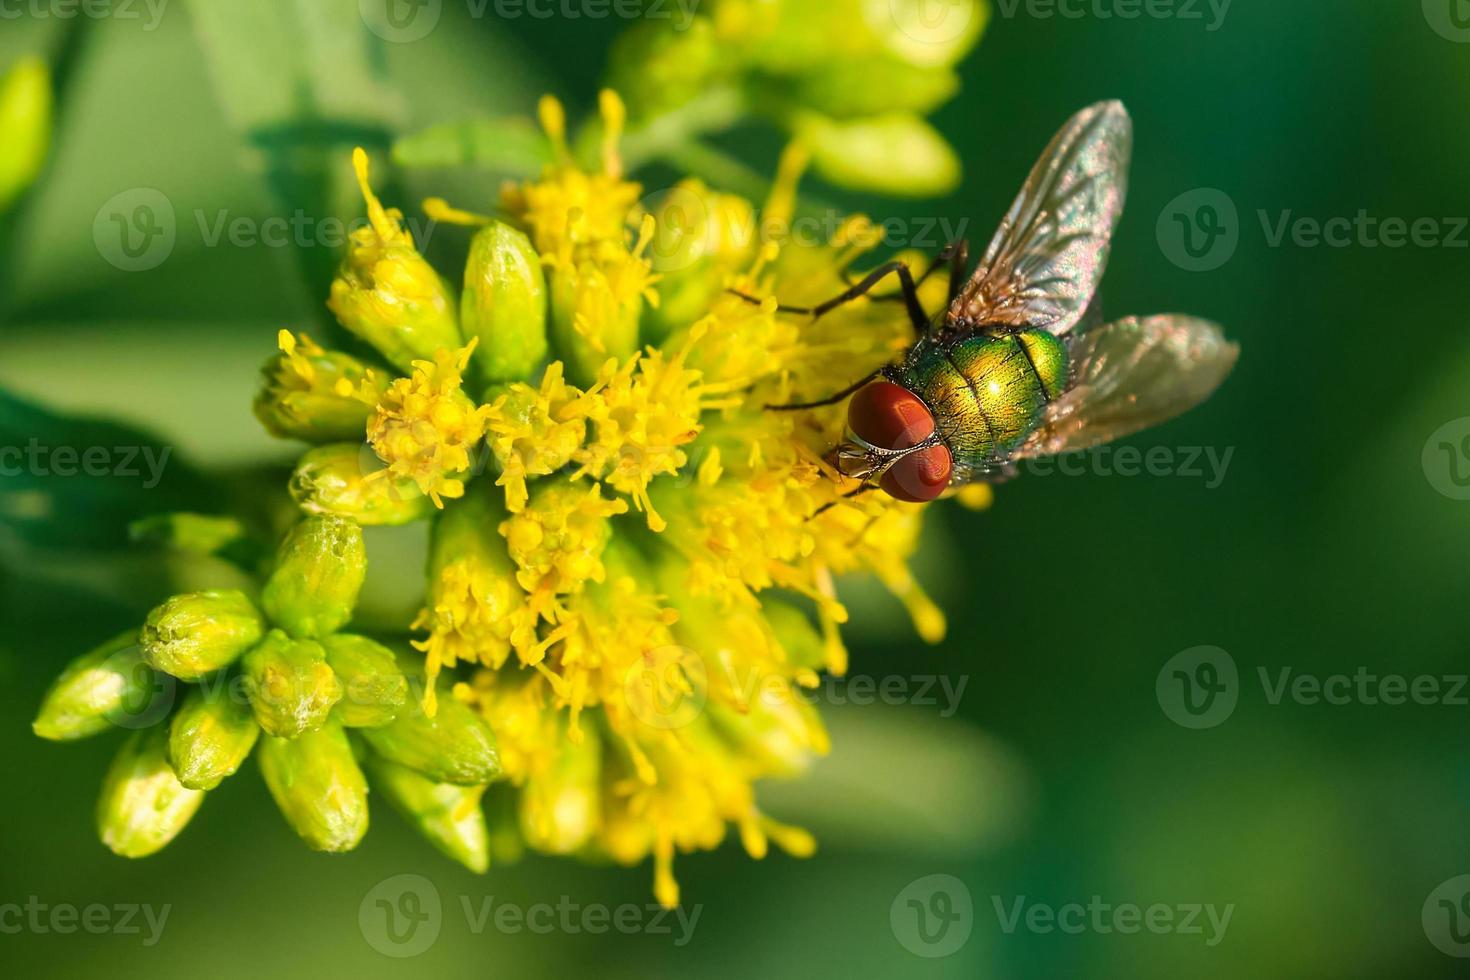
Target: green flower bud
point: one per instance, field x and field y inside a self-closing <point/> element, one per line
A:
<point x="374" y="690"/>
<point x="107" y="687"/>
<point x="449" y="816"/>
<point x="319" y="571"/>
<point x="911" y="31"/>
<point x="657" y="69"/>
<point x="386" y="293"/>
<point x="143" y="805"/>
<point x="25" y="126"/>
<point x="316" y="395"/>
<point x="504" y="303"/>
<point x="872" y="86"/>
<point x="455" y="746"/>
<point x="318" y="787"/>
<point x="592" y="320"/>
<point x="342" y="479"/>
<point x="701" y="237"/>
<point x="209" y="737"/>
<point x="194" y="634"/>
<point x="790" y="36"/>
<point x="900" y="155"/>
<point x="291" y="688"/>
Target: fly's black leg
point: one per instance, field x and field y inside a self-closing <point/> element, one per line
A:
<point x="959" y="267"/>
<point x="865" y="488"/>
<point x="829" y="400"/>
<point x="917" y="316"/>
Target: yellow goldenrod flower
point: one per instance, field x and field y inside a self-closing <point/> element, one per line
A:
<point x="535" y="430"/>
<point x="387" y="294"/>
<point x="314" y="394"/>
<point x="425" y="427"/>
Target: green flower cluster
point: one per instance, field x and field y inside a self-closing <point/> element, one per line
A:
<point x="850" y="79"/>
<point x="211" y="676"/>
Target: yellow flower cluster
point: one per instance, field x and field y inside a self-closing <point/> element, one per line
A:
<point x="643" y="580"/>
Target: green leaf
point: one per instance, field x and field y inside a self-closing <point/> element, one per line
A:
<point x="299" y="80"/>
<point x="79" y="482"/>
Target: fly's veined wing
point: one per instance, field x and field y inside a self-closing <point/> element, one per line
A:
<point x="1046" y="260"/>
<point x="1130" y="375"/>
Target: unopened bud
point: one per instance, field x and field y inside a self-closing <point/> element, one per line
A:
<point x="448" y="815"/>
<point x="109" y="686"/>
<point x="319" y="571"/>
<point x="314" y="394"/>
<point x="374" y="690"/>
<point x="209" y="737"/>
<point x="291" y="688"/>
<point x="25" y="126"/>
<point x="455" y="746"/>
<point x="504" y="304"/>
<point x="143" y="805"/>
<point x="194" y="634"/>
<point x="342" y="479"/>
<point x="386" y="293"/>
<point x="318" y="787"/>
<point x="896" y="154"/>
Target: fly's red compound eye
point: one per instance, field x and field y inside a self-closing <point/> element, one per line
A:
<point x="889" y="416"/>
<point x="920" y="476"/>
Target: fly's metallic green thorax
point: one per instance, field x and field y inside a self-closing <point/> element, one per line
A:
<point x="987" y="391"/>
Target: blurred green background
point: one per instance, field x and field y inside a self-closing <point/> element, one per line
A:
<point x="1327" y="547"/>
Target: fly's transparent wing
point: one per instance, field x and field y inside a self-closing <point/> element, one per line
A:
<point x="1130" y="375"/>
<point x="1044" y="264"/>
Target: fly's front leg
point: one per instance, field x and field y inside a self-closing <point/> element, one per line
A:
<point x="917" y="316"/>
